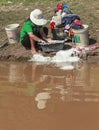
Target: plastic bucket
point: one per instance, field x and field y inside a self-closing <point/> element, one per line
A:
<point x="81" y="36"/>
<point x="12" y="31"/>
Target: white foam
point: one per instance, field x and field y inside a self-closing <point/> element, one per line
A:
<point x="73" y="59"/>
<point x="40" y="58"/>
<point x="62" y="59"/>
<point x="65" y="56"/>
<point x="70" y="67"/>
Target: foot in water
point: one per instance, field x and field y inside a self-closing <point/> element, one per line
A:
<point x="34" y="52"/>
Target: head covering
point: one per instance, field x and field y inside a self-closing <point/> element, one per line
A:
<point x="36" y="16"/>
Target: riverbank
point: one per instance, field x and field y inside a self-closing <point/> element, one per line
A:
<point x="16" y="52"/>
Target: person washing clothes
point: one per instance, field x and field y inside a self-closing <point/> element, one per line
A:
<point x="33" y="30"/>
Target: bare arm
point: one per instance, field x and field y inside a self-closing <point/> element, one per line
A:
<point x="35" y="38"/>
<point x="43" y="35"/>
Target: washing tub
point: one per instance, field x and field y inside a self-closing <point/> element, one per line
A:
<point x="52" y="47"/>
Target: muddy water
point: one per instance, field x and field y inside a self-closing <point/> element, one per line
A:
<point x="43" y="97"/>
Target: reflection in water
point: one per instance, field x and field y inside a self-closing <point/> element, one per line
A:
<point x="41" y="99"/>
<point x="79" y="84"/>
<point x="15" y="73"/>
<point x="46" y="97"/>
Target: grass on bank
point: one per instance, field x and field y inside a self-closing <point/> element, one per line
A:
<point x="8" y="2"/>
<point x="16" y="11"/>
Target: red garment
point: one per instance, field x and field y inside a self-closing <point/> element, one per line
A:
<point x="78" y="22"/>
<point x="52" y="25"/>
<point x="59" y="7"/>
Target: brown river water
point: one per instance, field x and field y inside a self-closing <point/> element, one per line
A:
<point x="44" y="97"/>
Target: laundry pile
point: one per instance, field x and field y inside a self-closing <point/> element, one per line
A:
<point x="64" y="21"/>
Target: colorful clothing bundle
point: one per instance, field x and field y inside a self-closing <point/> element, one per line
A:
<point x="64" y="18"/>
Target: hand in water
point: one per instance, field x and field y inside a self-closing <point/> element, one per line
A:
<point x="41" y="41"/>
<point x="51" y="41"/>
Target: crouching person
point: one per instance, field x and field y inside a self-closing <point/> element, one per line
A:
<point x="33" y="30"/>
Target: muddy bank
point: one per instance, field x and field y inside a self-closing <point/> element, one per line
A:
<point x="16" y="52"/>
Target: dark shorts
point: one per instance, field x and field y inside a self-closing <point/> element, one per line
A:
<point x="26" y="41"/>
